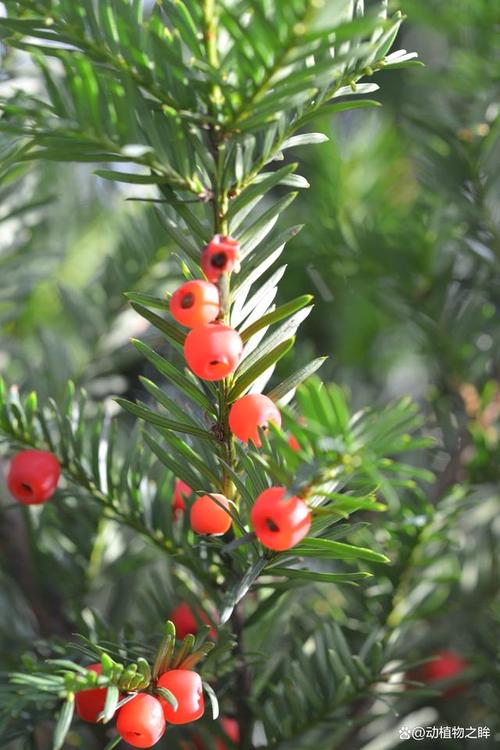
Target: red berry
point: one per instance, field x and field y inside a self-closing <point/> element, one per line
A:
<point x="186" y="686"/>
<point x="90" y="703"/>
<point x="249" y="413"/>
<point x="195" y="303"/>
<point x="231" y="729"/>
<point x="220" y="256"/>
<point x="213" y="351"/>
<point x="280" y="522"/>
<point x="141" y="722"/>
<point x="185" y="622"/>
<point x="207" y="517"/>
<point x="33" y="476"/>
<point x="446" y="666"/>
<point x="181" y="492"/>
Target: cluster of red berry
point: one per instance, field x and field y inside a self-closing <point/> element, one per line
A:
<point x="187" y="623"/>
<point x="143" y="719"/>
<point x="213" y="351"/>
<point x="279" y="521"/>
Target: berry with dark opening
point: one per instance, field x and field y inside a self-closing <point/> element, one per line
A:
<point x="207" y="516"/>
<point x="251" y="412"/>
<point x="220" y="256"/>
<point x="213" y="351"/>
<point x="90" y="703"/>
<point x="141" y="721"/>
<point x="187" y="688"/>
<point x="33" y="476"/>
<point x="280" y="522"/>
<point x="195" y="303"/>
<point x="181" y="492"/>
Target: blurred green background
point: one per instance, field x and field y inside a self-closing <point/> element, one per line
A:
<point x="402" y="251"/>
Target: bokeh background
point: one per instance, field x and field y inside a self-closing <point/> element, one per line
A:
<point x="402" y="251"/>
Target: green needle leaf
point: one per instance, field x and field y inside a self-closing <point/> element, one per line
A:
<point x="134" y="179"/>
<point x="168" y="696"/>
<point x="165" y="650"/>
<point x="113" y="743"/>
<point x="291" y="383"/>
<point x="264" y="363"/>
<point x="112" y="698"/>
<point x="240" y="588"/>
<point x="326" y="548"/>
<point x="64" y="722"/>
<point x="312" y="575"/>
<point x="158" y="420"/>
<point x="213" y="700"/>
<point x="185" y="649"/>
<point x="284" y="311"/>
